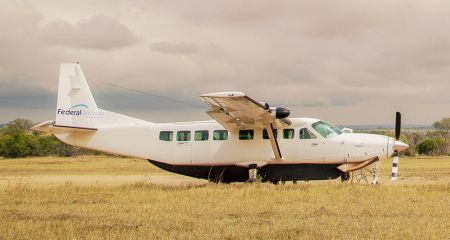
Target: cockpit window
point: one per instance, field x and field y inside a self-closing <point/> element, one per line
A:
<point x="326" y="130"/>
<point x="288" y="133"/>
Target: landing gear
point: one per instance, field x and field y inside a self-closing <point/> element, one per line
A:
<point x="276" y="182"/>
<point x="375" y="173"/>
<point x="252" y="173"/>
<point x="345" y="177"/>
<point x="282" y="182"/>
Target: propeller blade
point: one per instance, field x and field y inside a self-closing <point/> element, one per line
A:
<point x="395" y="166"/>
<point x="398" y="146"/>
<point x="398" y="125"/>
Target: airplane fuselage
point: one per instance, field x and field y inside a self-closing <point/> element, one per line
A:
<point x="207" y="154"/>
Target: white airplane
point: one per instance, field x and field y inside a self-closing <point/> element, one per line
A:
<point x="246" y="140"/>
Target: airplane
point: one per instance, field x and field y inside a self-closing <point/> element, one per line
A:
<point x="246" y="141"/>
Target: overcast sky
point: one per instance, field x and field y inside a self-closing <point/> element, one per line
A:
<point x="348" y="61"/>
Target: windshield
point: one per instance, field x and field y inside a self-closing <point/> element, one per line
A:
<point x="326" y="130"/>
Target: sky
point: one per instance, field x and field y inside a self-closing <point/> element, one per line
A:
<point x="347" y="62"/>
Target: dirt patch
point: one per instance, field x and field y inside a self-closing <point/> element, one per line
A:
<point x="111" y="180"/>
<point x="165" y="180"/>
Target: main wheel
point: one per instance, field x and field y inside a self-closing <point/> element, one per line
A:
<point x="345" y="177"/>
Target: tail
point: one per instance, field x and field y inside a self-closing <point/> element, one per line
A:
<point x="76" y="110"/>
<point x="76" y="107"/>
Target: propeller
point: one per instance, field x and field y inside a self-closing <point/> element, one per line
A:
<point x="395" y="159"/>
<point x="398" y="125"/>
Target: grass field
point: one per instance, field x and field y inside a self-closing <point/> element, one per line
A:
<point x="416" y="207"/>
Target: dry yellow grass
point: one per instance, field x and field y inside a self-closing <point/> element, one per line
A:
<point x="97" y="165"/>
<point x="325" y="210"/>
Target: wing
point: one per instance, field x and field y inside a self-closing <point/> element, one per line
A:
<point x="235" y="111"/>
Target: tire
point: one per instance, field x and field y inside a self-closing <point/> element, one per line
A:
<point x="345" y="177"/>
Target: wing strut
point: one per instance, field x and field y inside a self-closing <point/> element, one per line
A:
<point x="274" y="142"/>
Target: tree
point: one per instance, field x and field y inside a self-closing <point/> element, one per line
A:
<point x="47" y="145"/>
<point x="431" y="146"/>
<point x="15" y="127"/>
<point x="443" y="127"/>
<point x="18" y="145"/>
<point x="17" y="141"/>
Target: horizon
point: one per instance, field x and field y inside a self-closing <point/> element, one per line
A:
<point x="352" y="126"/>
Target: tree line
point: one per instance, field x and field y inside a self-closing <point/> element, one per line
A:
<point x="16" y="140"/>
<point x="429" y="142"/>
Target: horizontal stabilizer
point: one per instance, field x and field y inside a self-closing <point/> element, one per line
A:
<point x="50" y="127"/>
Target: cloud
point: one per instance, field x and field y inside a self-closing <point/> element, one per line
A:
<point x="13" y="95"/>
<point x="174" y="48"/>
<point x="97" y="32"/>
<point x="324" y="59"/>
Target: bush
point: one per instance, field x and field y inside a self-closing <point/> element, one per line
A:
<point x="47" y="145"/>
<point x="64" y="150"/>
<point x="18" y="145"/>
<point x="431" y="146"/>
<point x="17" y="141"/>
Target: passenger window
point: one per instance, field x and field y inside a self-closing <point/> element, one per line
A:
<point x="246" y="134"/>
<point x="288" y="133"/>
<point x="183" y="135"/>
<point x="201" y="135"/>
<point x="166" y="135"/>
<point x="220" y="135"/>
<point x="266" y="134"/>
<point x="306" y="134"/>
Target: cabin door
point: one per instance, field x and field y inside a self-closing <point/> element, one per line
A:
<point x="183" y="147"/>
<point x="183" y="152"/>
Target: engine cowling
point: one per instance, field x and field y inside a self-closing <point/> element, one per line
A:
<point x="277" y="112"/>
<point x="280" y="112"/>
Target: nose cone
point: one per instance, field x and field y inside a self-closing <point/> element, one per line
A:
<point x="400" y="146"/>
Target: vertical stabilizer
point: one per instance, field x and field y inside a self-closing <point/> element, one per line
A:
<point x="76" y="106"/>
